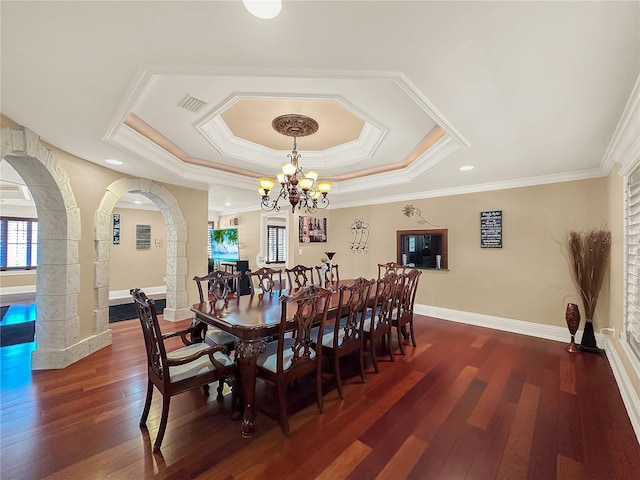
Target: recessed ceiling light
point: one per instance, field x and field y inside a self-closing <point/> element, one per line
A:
<point x="264" y="9"/>
<point x="113" y="161"/>
<point x="137" y="201"/>
<point x="466" y="168"/>
<point x="227" y="204"/>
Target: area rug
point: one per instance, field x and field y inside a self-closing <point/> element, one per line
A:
<point x="127" y="311"/>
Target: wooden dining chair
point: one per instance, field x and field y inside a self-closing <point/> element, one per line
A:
<point x="221" y="287"/>
<point x="268" y="280"/>
<point x="331" y="276"/>
<point x="377" y="323"/>
<point x="344" y="336"/>
<point x="384" y="268"/>
<point x="403" y="313"/>
<point x="292" y="355"/>
<point x="193" y="366"/>
<point x="299" y="276"/>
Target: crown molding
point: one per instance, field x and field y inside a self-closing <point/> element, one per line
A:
<point x="624" y="147"/>
<point x="486" y="187"/>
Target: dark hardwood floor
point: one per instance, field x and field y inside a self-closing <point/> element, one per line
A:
<point x="467" y="403"/>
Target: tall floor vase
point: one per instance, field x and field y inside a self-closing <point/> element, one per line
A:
<point x="588" y="342"/>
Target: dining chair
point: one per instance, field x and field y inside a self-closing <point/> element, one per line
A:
<point x="377" y="323"/>
<point x="384" y="268"/>
<point x="299" y="276"/>
<point x="292" y="355"/>
<point x="193" y="366"/>
<point x="268" y="279"/>
<point x="331" y="275"/>
<point x="344" y="336"/>
<point x="221" y="287"/>
<point x="403" y="313"/>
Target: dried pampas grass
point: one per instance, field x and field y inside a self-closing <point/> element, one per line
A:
<point x="589" y="254"/>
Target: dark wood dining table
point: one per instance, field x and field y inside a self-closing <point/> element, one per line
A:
<point x="253" y="319"/>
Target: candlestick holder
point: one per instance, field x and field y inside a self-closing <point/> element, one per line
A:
<point x="330" y="256"/>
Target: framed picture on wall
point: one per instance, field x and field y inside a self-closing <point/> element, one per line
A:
<point x="143" y="237"/>
<point x="116" y="229"/>
<point x="313" y="229"/>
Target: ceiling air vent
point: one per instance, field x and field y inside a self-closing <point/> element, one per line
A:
<point x="191" y="103"/>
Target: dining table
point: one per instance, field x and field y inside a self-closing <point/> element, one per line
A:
<point x="252" y="319"/>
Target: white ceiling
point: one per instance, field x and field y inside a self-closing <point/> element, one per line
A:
<point x="526" y="92"/>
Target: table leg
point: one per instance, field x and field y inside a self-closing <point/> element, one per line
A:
<point x="248" y="355"/>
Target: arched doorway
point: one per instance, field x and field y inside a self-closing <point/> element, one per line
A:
<point x="58" y="271"/>
<point x="176" y="306"/>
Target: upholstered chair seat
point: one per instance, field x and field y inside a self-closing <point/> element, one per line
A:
<point x="268" y="359"/>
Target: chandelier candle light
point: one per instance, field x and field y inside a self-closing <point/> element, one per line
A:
<point x="300" y="188"/>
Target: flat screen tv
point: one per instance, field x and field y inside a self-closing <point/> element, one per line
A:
<point x="224" y="244"/>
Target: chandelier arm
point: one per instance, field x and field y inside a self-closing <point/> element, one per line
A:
<point x="322" y="202"/>
<point x="264" y="204"/>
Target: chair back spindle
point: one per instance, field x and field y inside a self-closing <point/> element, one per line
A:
<point x="384" y="268"/>
<point x="299" y="276"/>
<point x="268" y="279"/>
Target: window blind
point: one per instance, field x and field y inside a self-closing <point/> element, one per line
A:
<point x="18" y="243"/>
<point x="276" y="243"/>
<point x="632" y="284"/>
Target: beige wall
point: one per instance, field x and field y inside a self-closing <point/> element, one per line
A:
<point x="528" y="279"/>
<point x="9" y="279"/>
<point x="194" y="206"/>
<point x="131" y="267"/>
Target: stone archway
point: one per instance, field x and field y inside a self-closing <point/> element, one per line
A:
<point x="176" y="306"/>
<point x="58" y="272"/>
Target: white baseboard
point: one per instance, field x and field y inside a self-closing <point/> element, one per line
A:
<point x="550" y="332"/>
<point x="118" y="297"/>
<point x="628" y="393"/>
<point x="19" y="294"/>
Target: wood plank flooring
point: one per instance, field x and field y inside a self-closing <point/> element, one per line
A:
<point x="466" y="403"/>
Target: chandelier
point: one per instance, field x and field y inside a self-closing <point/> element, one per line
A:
<point x="300" y="188"/>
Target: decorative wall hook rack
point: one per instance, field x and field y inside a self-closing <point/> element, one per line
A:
<point x="360" y="233"/>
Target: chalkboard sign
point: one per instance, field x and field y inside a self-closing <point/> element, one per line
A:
<point x="491" y="229"/>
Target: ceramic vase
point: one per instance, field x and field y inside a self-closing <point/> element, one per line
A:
<point x="572" y="316"/>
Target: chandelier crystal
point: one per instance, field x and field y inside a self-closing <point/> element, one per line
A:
<point x="300" y="188"/>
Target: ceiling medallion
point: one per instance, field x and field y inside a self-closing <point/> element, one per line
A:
<point x="296" y="186"/>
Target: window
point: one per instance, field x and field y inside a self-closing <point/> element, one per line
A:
<point x="632" y="282"/>
<point x="276" y="244"/>
<point x="19" y="243"/>
<point x="427" y="249"/>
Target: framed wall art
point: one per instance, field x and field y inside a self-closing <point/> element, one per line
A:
<point x="116" y="229"/>
<point x="313" y="229"/>
<point x="143" y="237"/>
